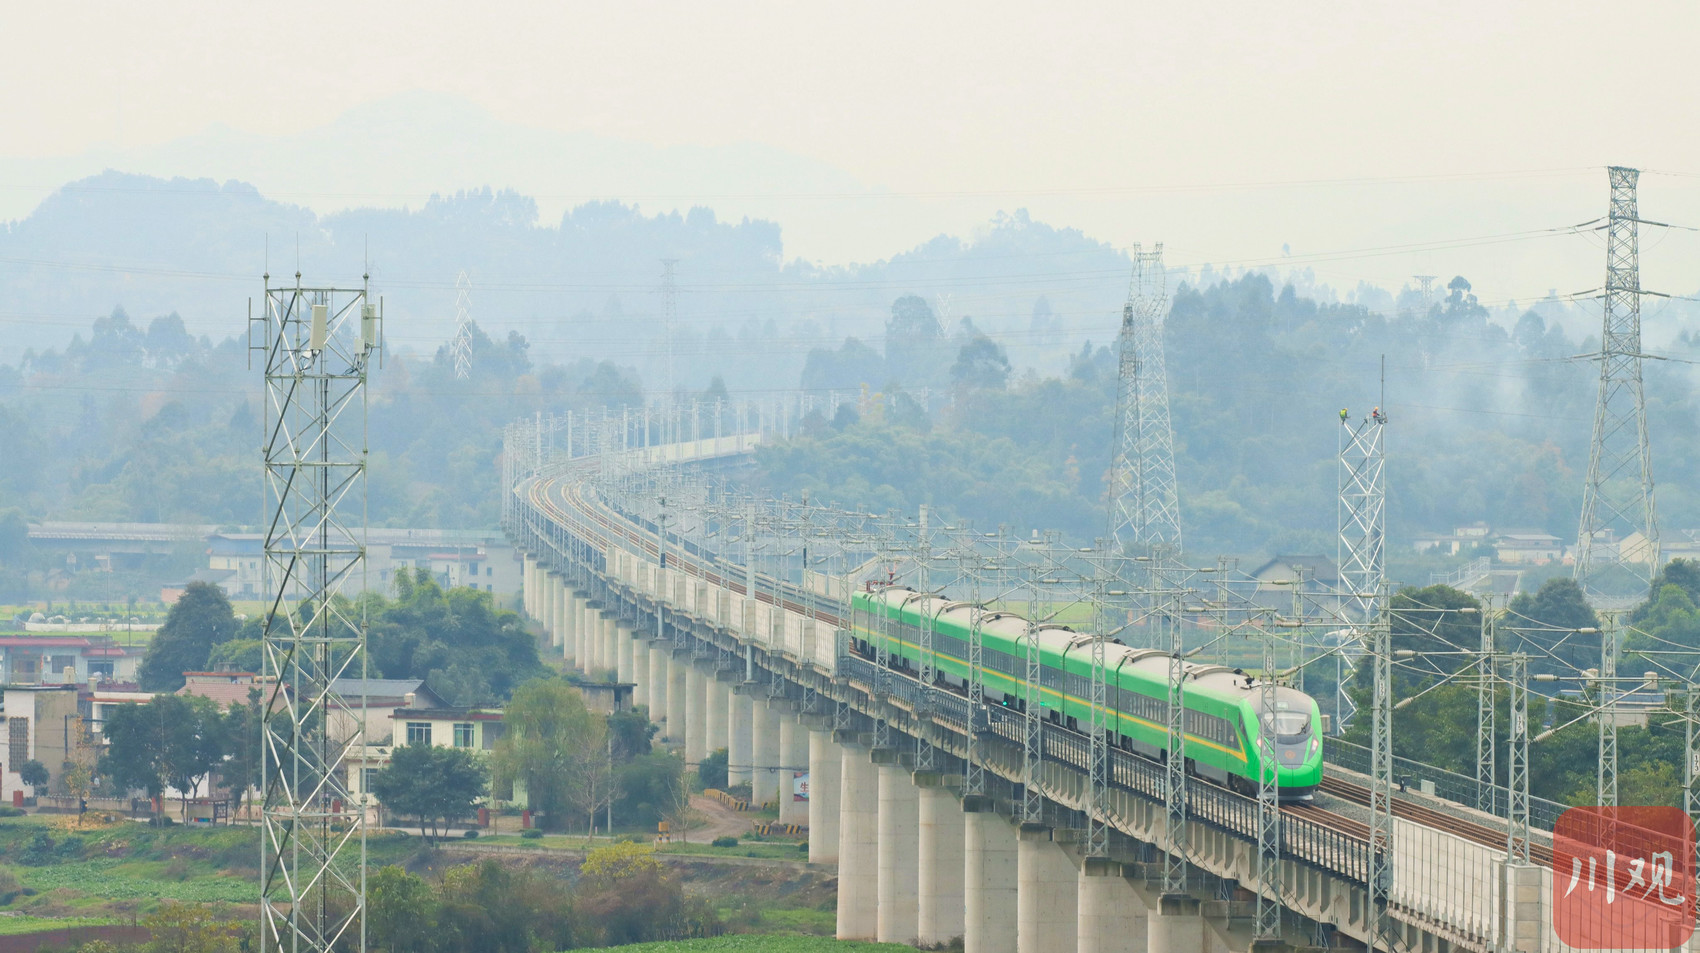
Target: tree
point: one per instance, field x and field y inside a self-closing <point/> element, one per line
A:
<point x="243" y="725"/>
<point x="631" y="732"/>
<point x="194" y="742"/>
<point x="433" y="784"/>
<point x="980" y="365"/>
<point x="34" y="774"/>
<point x="912" y="338"/>
<point x="132" y="752"/>
<point x="457" y="640"/>
<point x="712" y="770"/>
<point x="201" y="619"/>
<point x="489" y="908"/>
<point x="80" y="764"/>
<point x="650" y="786"/>
<point x="554" y="746"/>
<point x="401" y="913"/>
<point x="173" y="740"/>
<point x="1544" y="625"/>
<point x="1431" y="622"/>
<point x="627" y="894"/>
<point x="188" y="928"/>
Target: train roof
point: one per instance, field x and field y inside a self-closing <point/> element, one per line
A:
<point x="1205" y="679"/>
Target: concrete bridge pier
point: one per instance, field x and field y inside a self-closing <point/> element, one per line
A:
<point x="739" y="741"/>
<point x="599" y="636"/>
<point x="546" y="604"/>
<point x="563" y="598"/>
<point x="696" y="711"/>
<point x="610" y="645"/>
<point x="1111" y="913"/>
<point x="825" y="782"/>
<point x="625" y="648"/>
<point x="715" y="711"/>
<point x="1175" y="925"/>
<point x="793" y="758"/>
<point x="899" y="857"/>
<point x="570" y="628"/>
<point x="587" y="636"/>
<point x="528" y="585"/>
<point x="678" y="693"/>
<point x="858" y="842"/>
<point x="659" y="654"/>
<point x="557" y="609"/>
<point x="990" y="878"/>
<point x="764" y="752"/>
<point x="1046" y="903"/>
<point x="939" y="913"/>
<point x="638" y="645"/>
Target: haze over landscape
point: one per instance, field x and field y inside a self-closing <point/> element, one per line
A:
<point x="907" y="242"/>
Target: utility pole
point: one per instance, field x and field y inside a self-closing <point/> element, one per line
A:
<point x="1144" y="500"/>
<point x="316" y="345"/>
<point x="1617" y="500"/>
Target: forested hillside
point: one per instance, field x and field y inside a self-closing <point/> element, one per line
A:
<point x="142" y="419"/>
<point x="1487" y="422"/>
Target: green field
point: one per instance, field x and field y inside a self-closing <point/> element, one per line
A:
<point x="753" y="943"/>
<point x="47" y="871"/>
<point x="19" y="925"/>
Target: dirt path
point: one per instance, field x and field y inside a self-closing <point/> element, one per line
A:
<point x="715" y="819"/>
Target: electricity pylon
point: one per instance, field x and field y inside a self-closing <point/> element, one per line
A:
<point x="462" y="347"/>
<point x="1617" y="500"/>
<point x="1144" y="502"/>
<point x="317" y="345"/>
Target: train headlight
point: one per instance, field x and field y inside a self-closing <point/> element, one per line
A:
<point x="1315" y="744"/>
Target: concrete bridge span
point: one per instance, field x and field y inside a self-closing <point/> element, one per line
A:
<point x="724" y="657"/>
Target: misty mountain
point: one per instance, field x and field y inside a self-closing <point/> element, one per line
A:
<point x="584" y="285"/>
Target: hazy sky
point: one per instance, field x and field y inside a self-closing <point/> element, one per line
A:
<point x="1228" y="130"/>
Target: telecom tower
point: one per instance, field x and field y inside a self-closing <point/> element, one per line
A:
<point x="462" y="346"/>
<point x="1145" y="509"/>
<point x="317" y="345"/>
<point x="1617" y="500"/>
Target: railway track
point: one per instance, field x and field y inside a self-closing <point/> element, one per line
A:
<point x="1472" y="831"/>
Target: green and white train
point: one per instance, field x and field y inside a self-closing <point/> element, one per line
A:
<point x="1223" y="722"/>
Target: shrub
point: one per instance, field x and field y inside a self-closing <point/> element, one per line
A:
<point x="10" y="811"/>
<point x="531" y="834"/>
<point x="470" y="834"/>
<point x="727" y="841"/>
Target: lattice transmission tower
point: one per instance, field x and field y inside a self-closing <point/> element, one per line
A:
<point x="1617" y="500"/>
<point x="318" y="344"/>
<point x="1145" y="512"/>
<point x="1361" y="548"/>
<point x="1362" y="553"/>
<point x="462" y="347"/>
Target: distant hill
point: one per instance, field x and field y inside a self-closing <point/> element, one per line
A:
<point x="583" y="285"/>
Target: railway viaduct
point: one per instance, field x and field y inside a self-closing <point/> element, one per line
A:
<point x="726" y="658"/>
